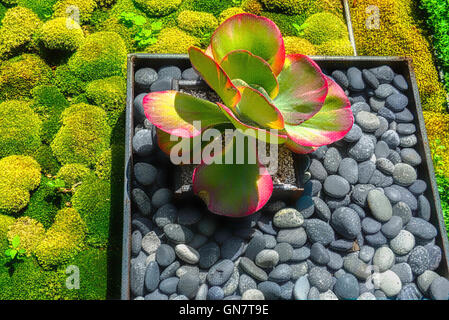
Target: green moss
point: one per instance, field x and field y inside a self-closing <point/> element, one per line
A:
<point x="103" y="166"/>
<point x="112" y="24"/>
<point x="45" y="203"/>
<point x="49" y="103"/>
<point x="30" y="232"/>
<point x="28" y="281"/>
<point x="214" y="7"/>
<point x="289" y="7"/>
<point x="44" y="156"/>
<point x="196" y="22"/>
<point x="84" y="135"/>
<point x="63" y="240"/>
<point x="173" y="40"/>
<point x="322" y="27"/>
<point x="73" y="173"/>
<point x="85" y="8"/>
<point x="124" y="6"/>
<point x="56" y="35"/>
<point x="105" y="3"/>
<point x="229" y="13"/>
<point x="109" y="94"/>
<point x="18" y="27"/>
<point x="158" y="8"/>
<point x="103" y="54"/>
<point x="298" y="45"/>
<point x="285" y="22"/>
<point x="21" y="74"/>
<point x="20" y="128"/>
<point x="94" y="270"/>
<point x="68" y="82"/>
<point x="93" y="201"/>
<point x="5" y="223"/>
<point x="340" y="47"/>
<point x="18" y="176"/>
<point x="3" y="10"/>
<point x="43" y="8"/>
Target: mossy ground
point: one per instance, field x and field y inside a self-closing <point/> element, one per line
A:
<point x="71" y="87"/>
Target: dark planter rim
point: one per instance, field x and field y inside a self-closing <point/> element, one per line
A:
<point x="402" y="63"/>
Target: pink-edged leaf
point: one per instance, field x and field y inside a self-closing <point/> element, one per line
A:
<point x="181" y="114"/>
<point x="296" y="148"/>
<point x="269" y="136"/>
<point x="302" y="89"/>
<point x="330" y="124"/>
<point x="243" y="65"/>
<point x="246" y="31"/>
<point x="254" y="107"/>
<point x="214" y="76"/>
<point x="234" y="189"/>
<point x="208" y="51"/>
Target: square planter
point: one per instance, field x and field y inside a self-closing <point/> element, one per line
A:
<point x="399" y="65"/>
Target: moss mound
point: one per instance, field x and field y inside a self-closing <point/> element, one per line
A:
<point x="105" y="3"/>
<point x="5" y="223"/>
<point x="61" y="34"/>
<point x="93" y="201"/>
<point x="18" y="176"/>
<point x="322" y="27"/>
<point x="20" y="128"/>
<point x="103" y="54"/>
<point x="48" y="162"/>
<point x="173" y="40"/>
<point x="68" y="82"/>
<point x="340" y="47"/>
<point x="196" y="22"/>
<point x="43" y="8"/>
<point x="30" y="232"/>
<point x="109" y="94"/>
<point x="286" y="23"/>
<point x="18" y="27"/>
<point x="85" y="8"/>
<point x="21" y="74"/>
<point x="49" y="103"/>
<point x="290" y="7"/>
<point x="63" y="240"/>
<point x="73" y="173"/>
<point x="104" y="164"/>
<point x="252" y="6"/>
<point x="158" y="8"/>
<point x="84" y="135"/>
<point x="298" y="45"/>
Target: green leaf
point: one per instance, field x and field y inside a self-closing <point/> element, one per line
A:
<point x="8" y="252"/>
<point x="156" y="26"/>
<point x="139" y="20"/>
<point x="13" y="253"/>
<point x="15" y="241"/>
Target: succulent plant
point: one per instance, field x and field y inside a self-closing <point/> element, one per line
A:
<point x="282" y="99"/>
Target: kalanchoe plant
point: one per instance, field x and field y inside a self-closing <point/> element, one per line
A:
<point x="261" y="89"/>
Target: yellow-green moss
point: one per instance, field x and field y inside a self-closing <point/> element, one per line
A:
<point x="18" y="27"/>
<point x="340" y="47"/>
<point x="18" y="176"/>
<point x="66" y="8"/>
<point x="158" y="8"/>
<point x="20" y="128"/>
<point x="21" y="74"/>
<point x="84" y="135"/>
<point x="43" y="8"/>
<point x="173" y="40"/>
<point x="396" y="34"/>
<point x="102" y="54"/>
<point x="63" y="240"/>
<point x="322" y="27"/>
<point x="48" y="162"/>
<point x="93" y="201"/>
<point x="437" y="127"/>
<point x="214" y="7"/>
<point x="298" y="45"/>
<point x="61" y="34"/>
<point x="229" y="13"/>
<point x="68" y="82"/>
<point x="196" y="22"/>
<point x="103" y="166"/>
<point x="105" y="3"/>
<point x="73" y="173"/>
<point x="109" y="94"/>
<point x="5" y="223"/>
<point x="112" y="24"/>
<point x="252" y="6"/>
<point x="30" y="232"/>
<point x="285" y="22"/>
<point x="290" y="7"/>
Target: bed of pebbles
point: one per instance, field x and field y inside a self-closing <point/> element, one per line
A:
<point x="361" y="229"/>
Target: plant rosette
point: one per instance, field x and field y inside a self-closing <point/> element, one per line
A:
<point x="266" y="96"/>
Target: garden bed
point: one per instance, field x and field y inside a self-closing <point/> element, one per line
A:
<point x="298" y="247"/>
